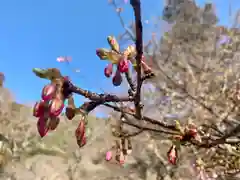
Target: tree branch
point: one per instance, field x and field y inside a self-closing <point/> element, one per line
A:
<point x="69" y="87"/>
<point x="136" y="4"/>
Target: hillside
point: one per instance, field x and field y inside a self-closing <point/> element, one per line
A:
<point x="57" y="156"/>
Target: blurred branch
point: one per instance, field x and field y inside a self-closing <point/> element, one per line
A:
<point x="113" y="2"/>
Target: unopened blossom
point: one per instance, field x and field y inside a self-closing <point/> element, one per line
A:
<point x="51" y="106"/>
<point x="108" y="70"/>
<point x="42" y="126"/>
<point x="123" y="65"/>
<point x="113" y="43"/>
<point x="38" y="108"/>
<point x="122" y="158"/>
<point x="81" y="134"/>
<point x="121" y="60"/>
<point x="172" y="155"/>
<point x="108" y="156"/>
<point x="191" y="130"/>
<point x="117" y="79"/>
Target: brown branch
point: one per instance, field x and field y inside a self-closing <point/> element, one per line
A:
<point x="136" y="4"/>
<point x="130" y="81"/>
<point x="145" y="118"/>
<point x="68" y="87"/>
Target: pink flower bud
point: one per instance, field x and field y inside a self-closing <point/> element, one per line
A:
<point x="108" y="156"/>
<point x="80" y="134"/>
<point x="56" y="107"/>
<point x="42" y="126"/>
<point x="108" y="70"/>
<point x="123" y="65"/>
<point x="146" y="68"/>
<point x="122" y="158"/>
<point x="113" y="42"/>
<point x="117" y="79"/>
<point x="48" y="92"/>
<point x="191" y="130"/>
<point x="38" y="109"/>
<point x="172" y="155"/>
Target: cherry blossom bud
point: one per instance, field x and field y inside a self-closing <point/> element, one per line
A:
<point x="192" y="130"/>
<point x="108" y="70"/>
<point x="146" y="68"/>
<point x="48" y="92"/>
<point x="38" y="109"/>
<point x="42" y="126"/>
<point x="102" y="53"/>
<point x="56" y="107"/>
<point x="108" y="155"/>
<point x="121" y="158"/>
<point x="54" y="122"/>
<point x="113" y="43"/>
<point x="172" y="155"/>
<point x="117" y="79"/>
<point x="80" y="134"/>
<point x="123" y="65"/>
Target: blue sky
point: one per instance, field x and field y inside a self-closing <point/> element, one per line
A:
<point x="34" y="32"/>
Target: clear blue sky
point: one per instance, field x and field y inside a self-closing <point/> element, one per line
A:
<point x="34" y="32"/>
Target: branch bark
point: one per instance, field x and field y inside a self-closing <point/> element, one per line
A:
<point x="136" y="5"/>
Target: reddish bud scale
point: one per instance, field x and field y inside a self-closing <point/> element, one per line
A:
<point x="70" y="113"/>
<point x="54" y="122"/>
